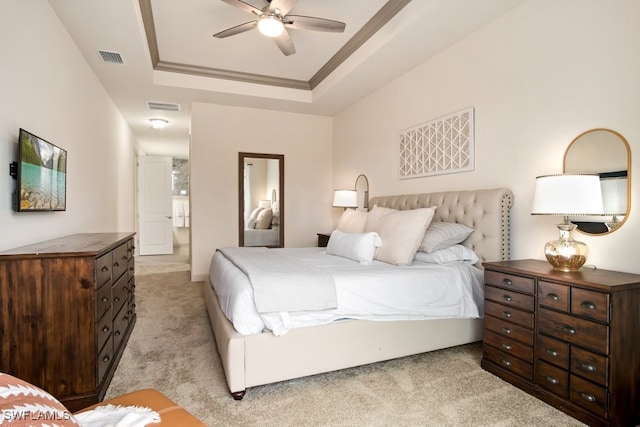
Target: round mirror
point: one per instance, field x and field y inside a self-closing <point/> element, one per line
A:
<point x="606" y="153"/>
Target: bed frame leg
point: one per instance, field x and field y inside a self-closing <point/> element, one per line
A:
<point x="238" y="395"/>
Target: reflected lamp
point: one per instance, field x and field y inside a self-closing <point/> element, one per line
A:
<point x="567" y="195"/>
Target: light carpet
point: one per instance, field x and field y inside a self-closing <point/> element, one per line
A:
<point x="172" y="349"/>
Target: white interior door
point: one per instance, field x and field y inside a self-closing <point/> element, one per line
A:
<point x="155" y="205"/>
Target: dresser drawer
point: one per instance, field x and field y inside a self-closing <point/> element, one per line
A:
<point x="120" y="325"/>
<point x="103" y="301"/>
<point x="588" y="395"/>
<point x="590" y="304"/>
<point x="553" y="351"/>
<point x="589" y="365"/>
<point x="510" y="330"/>
<point x="120" y="261"/>
<point x="509" y="346"/>
<point x="105" y="357"/>
<point x="509" y="281"/>
<point x="103" y="268"/>
<point x="103" y="331"/>
<point x="511" y="314"/>
<point x="509" y="362"/>
<point x="120" y="293"/>
<point x="553" y="379"/>
<point x="574" y="330"/>
<point x="505" y="296"/>
<point x="553" y="295"/>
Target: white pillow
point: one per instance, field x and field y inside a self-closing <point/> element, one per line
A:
<point x="255" y="212"/>
<point x="264" y="219"/>
<point x="441" y="235"/>
<point x="452" y="253"/>
<point x="374" y="217"/>
<point x="352" y="221"/>
<point x="402" y="232"/>
<point x="356" y="246"/>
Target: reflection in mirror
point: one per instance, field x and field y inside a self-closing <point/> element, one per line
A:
<point x="362" y="188"/>
<point x="261" y="199"/>
<point x="607" y="153"/>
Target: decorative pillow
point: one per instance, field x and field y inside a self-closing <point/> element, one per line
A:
<point x="264" y="219"/>
<point x="23" y="404"/>
<point x="356" y="246"/>
<point x="276" y="219"/>
<point x="402" y="232"/>
<point x="452" y="253"/>
<point x="352" y="221"/>
<point x="374" y="217"/>
<point x="255" y="212"/>
<point x="441" y="235"/>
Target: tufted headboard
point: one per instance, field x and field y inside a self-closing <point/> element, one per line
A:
<point x="486" y="211"/>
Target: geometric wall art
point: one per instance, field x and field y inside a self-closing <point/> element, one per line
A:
<point x="440" y="146"/>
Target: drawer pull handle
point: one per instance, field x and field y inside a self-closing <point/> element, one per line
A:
<point x="552" y="380"/>
<point x="117" y="333"/>
<point x="106" y="359"/>
<point x="507" y="282"/>
<point x="116" y="264"/>
<point x="124" y="257"/>
<point x="552" y="352"/>
<point x="588" y="305"/>
<point x="506" y="362"/>
<point x="569" y="330"/>
<point x="587" y="396"/>
<point x="506" y="330"/>
<point x="105" y="299"/>
<point x="105" y="329"/>
<point x="506" y="297"/>
<point x="588" y="367"/>
<point x="104" y="268"/>
<point x="553" y="297"/>
<point x="506" y="314"/>
<point x="507" y="347"/>
<point x="116" y="299"/>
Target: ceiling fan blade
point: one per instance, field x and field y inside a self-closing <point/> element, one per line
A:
<point x="284" y="6"/>
<point x="298" y="22"/>
<point x="244" y="6"/>
<point x="236" y="30"/>
<point x="285" y="43"/>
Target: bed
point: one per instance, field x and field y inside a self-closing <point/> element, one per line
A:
<point x="262" y="237"/>
<point x="262" y="358"/>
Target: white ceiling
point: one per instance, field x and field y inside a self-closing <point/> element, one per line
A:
<point x="170" y="55"/>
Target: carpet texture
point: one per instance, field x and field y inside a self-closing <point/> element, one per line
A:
<point x="172" y="349"/>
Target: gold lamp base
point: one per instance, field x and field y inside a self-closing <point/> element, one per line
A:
<point x="566" y="254"/>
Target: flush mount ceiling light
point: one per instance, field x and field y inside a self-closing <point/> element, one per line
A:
<point x="158" y="123"/>
<point x="270" y="25"/>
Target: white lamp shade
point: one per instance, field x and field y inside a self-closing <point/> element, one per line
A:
<point x="567" y="194"/>
<point x="345" y="198"/>
<point x="614" y="195"/>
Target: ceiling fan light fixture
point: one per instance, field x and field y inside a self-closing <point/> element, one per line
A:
<point x="270" y="25"/>
<point x="158" y="123"/>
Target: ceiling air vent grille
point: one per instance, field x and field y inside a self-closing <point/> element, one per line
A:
<point x="112" y="57"/>
<point x="162" y="106"/>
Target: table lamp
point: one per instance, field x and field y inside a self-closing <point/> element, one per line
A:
<point x="567" y="195"/>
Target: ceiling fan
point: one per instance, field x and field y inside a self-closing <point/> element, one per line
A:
<point x="273" y="21"/>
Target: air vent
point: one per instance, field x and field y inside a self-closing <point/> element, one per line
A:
<point x="162" y="106"/>
<point x="112" y="57"/>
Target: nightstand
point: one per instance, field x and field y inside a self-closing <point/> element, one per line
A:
<point x="569" y="339"/>
<point x="323" y="239"/>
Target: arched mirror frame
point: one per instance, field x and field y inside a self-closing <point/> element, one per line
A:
<point x="362" y="188"/>
<point x="278" y="196"/>
<point x="569" y="169"/>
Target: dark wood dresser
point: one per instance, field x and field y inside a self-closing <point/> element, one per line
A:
<point x="67" y="308"/>
<point x="570" y="339"/>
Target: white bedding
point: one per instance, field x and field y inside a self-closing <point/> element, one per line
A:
<point x="378" y="291"/>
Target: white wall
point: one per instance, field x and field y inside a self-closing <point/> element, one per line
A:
<point x="48" y="89"/>
<point x="537" y="77"/>
<point x="218" y="133"/>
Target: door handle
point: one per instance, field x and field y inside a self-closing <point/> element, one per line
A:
<point x="168" y="217"/>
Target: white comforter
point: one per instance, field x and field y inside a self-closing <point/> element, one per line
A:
<point x="379" y="291"/>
